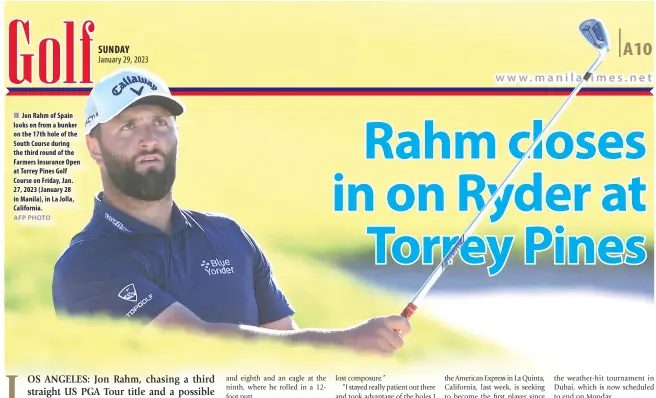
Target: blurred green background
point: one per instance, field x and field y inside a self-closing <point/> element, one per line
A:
<point x="269" y="161"/>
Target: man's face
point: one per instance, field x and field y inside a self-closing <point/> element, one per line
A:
<point x="138" y="151"/>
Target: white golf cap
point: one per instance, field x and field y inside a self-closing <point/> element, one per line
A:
<point x="123" y="88"/>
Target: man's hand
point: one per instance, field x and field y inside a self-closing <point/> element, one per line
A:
<point x="382" y="335"/>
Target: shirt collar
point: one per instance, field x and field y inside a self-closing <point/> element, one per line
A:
<point x="126" y="224"/>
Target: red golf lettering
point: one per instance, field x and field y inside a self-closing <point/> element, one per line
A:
<point x="49" y="54"/>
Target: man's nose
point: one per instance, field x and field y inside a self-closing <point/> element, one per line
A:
<point x="147" y="136"/>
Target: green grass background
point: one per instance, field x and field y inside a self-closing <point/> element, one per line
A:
<point x="269" y="161"/>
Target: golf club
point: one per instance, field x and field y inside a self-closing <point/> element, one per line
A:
<point x="595" y="32"/>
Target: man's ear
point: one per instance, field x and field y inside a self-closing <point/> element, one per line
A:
<point x="93" y="145"/>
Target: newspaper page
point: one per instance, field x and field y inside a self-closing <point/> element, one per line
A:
<point x="329" y="199"/>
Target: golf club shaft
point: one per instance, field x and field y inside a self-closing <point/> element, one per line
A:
<point x="412" y="305"/>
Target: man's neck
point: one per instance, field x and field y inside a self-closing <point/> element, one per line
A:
<point x="154" y="213"/>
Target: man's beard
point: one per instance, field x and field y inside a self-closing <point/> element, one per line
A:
<point x="151" y="186"/>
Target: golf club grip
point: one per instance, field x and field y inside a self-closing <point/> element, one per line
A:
<point x="408" y="310"/>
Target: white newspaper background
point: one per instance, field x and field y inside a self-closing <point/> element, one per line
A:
<point x="585" y="333"/>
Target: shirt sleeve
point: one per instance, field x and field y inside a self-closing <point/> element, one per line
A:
<point x="102" y="278"/>
<point x="272" y="303"/>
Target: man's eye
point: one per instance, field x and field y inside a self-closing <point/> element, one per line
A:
<point x="127" y="126"/>
<point x="161" y="122"/>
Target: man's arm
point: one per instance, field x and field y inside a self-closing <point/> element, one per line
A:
<point x="96" y="277"/>
<point x="375" y="335"/>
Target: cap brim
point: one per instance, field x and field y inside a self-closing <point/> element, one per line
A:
<point x="171" y="104"/>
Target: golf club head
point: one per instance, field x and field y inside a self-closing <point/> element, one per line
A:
<point x="595" y="33"/>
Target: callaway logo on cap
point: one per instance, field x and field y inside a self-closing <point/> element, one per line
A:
<point x="123" y="88"/>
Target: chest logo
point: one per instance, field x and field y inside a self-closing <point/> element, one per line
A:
<point x="217" y="267"/>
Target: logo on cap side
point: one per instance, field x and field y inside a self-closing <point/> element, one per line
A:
<point x="129" y="80"/>
<point x="90" y="119"/>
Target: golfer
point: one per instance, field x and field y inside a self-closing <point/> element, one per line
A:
<point x="142" y="256"/>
